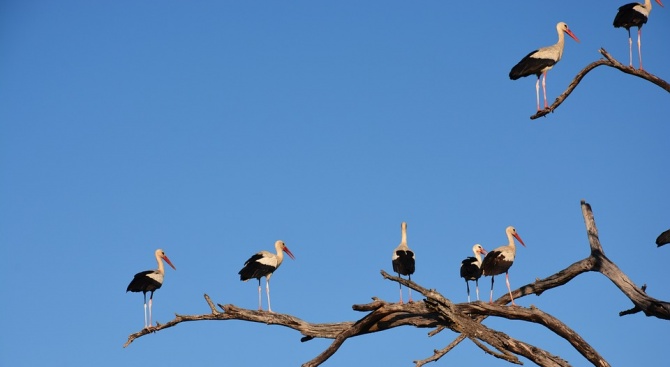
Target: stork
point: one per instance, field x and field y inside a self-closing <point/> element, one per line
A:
<point x="541" y="60"/>
<point x="663" y="238"/>
<point x="403" y="259"/>
<point x="263" y="264"/>
<point x="150" y="281"/>
<point x="471" y="269"/>
<point x="500" y="260"/>
<point x="633" y="15"/>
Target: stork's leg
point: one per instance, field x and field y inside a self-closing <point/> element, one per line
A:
<point x="145" y="310"/>
<point x="467" y="286"/>
<point x="537" y="92"/>
<point x="544" y="89"/>
<point x="630" y="49"/>
<point x="476" y="289"/>
<point x="267" y="290"/>
<point x="400" y="286"/>
<point x="410" y="289"/>
<point x="260" y="308"/>
<point x="491" y="297"/>
<point x="151" y="297"/>
<point x="509" y="288"/>
<point x="639" y="45"/>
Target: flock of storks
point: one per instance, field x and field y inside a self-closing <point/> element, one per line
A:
<point x="261" y="264"/>
<point x="264" y="264"/>
<point x="495" y="262"/>
<point x="540" y="61"/>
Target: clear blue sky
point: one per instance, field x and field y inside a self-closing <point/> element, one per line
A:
<point x="212" y="129"/>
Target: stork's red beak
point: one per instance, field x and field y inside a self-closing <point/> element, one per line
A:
<point x="569" y="32"/>
<point x="520" y="240"/>
<point x="482" y="251"/>
<point x="659" y="2"/>
<point x="169" y="262"/>
<point x="289" y="253"/>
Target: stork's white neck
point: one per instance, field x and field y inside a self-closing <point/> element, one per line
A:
<point x="510" y="239"/>
<point x="280" y="252"/>
<point x="403" y="237"/>
<point x="559" y="45"/>
<point x="478" y="256"/>
<point x="159" y="260"/>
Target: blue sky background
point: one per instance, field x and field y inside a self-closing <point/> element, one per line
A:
<point x="212" y="129"/>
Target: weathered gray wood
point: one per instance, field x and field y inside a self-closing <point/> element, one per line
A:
<point x="437" y="312"/>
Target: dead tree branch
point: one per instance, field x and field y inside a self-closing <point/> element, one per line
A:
<point x="649" y="305"/>
<point x="437" y="313"/>
<point x="608" y="61"/>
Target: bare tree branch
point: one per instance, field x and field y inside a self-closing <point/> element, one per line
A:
<point x="634" y="309"/>
<point x="611" y="62"/>
<point x="461" y="321"/>
<point x="535" y="315"/>
<point x="232" y="312"/>
<point x="649" y="305"/>
<point x="441" y="352"/>
<point x="437" y="312"/>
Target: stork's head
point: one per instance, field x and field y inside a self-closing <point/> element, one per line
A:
<point x="478" y="249"/>
<point x="160" y="253"/>
<point x="512" y="231"/>
<point x="283" y="247"/>
<point x="561" y="26"/>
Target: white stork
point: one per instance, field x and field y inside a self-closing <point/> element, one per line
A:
<point x="500" y="260"/>
<point x="150" y="281"/>
<point x="403" y="259"/>
<point x="471" y="269"/>
<point x="263" y="264"/>
<point x="663" y="238"/>
<point x="633" y="15"/>
<point x="540" y="61"/>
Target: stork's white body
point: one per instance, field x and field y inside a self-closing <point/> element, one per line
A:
<point x="150" y="281"/>
<point x="471" y="269"/>
<point x="542" y="60"/>
<point x="403" y="259"/>
<point x="264" y="264"/>
<point x="499" y="260"/>
<point x="634" y="15"/>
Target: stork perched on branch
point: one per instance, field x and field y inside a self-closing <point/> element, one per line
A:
<point x="634" y="15"/>
<point x="471" y="269"/>
<point x="542" y="60"/>
<point x="403" y="259"/>
<point x="150" y="281"/>
<point x="263" y="264"/>
<point x="499" y="260"/>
